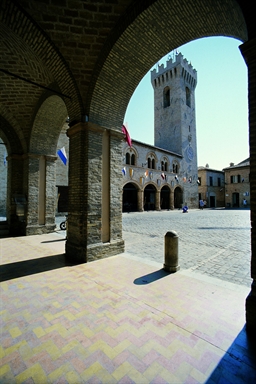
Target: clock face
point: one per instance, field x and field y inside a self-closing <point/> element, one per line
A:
<point x="190" y="153"/>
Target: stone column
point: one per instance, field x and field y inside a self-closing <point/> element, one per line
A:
<point x="248" y="50"/>
<point x="140" y="196"/>
<point x="50" y="192"/>
<point x="172" y="199"/>
<point x="116" y="180"/>
<point x="158" y="207"/>
<point x="32" y="166"/>
<point x="15" y="186"/>
<point x="95" y="193"/>
<point x="41" y="192"/>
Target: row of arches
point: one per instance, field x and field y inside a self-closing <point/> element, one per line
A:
<point x="150" y="198"/>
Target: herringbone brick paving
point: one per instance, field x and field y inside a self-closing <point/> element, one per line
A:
<point x="117" y="320"/>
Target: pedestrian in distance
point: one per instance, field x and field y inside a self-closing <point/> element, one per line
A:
<point x="185" y="209"/>
<point x="245" y="203"/>
<point x="201" y="204"/>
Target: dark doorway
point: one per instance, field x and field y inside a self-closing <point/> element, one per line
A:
<point x="235" y="199"/>
<point x="165" y="198"/>
<point x="62" y="199"/>
<point x="212" y="201"/>
<point x="149" y="198"/>
<point x="130" y="202"/>
<point x="178" y="197"/>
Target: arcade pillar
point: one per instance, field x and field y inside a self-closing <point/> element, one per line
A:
<point x="95" y="193"/>
<point x="248" y="50"/>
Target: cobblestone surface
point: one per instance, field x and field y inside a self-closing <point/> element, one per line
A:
<point x="215" y="242"/>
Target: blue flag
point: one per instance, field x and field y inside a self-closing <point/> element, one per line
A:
<point x="62" y="155"/>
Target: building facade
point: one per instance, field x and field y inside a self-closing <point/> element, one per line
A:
<point x="164" y="176"/>
<point x="237" y="184"/>
<point x="151" y="178"/>
<point x="211" y="187"/>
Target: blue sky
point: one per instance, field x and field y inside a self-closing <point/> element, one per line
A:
<point x="221" y="102"/>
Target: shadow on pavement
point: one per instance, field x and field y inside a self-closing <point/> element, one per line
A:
<point x="147" y="279"/>
<point x="53" y="241"/>
<point x="238" y="365"/>
<point x="31" y="267"/>
<point x="226" y="228"/>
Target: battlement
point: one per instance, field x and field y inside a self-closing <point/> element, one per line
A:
<point x="178" y="67"/>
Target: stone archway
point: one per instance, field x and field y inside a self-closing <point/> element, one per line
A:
<point x="130" y="198"/>
<point x="150" y="197"/>
<point x="145" y="26"/>
<point x="98" y="68"/>
<point x="41" y="164"/>
<point x="178" y="198"/>
<point x="165" y="197"/>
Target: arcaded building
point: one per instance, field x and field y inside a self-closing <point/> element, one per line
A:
<point x="59" y="61"/>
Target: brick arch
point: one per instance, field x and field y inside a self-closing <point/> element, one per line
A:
<point x="12" y="131"/>
<point x="48" y="123"/>
<point x="143" y="37"/>
<point x="36" y="53"/>
<point x="10" y="137"/>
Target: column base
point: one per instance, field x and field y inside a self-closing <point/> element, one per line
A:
<point x="80" y="254"/>
<point x="39" y="229"/>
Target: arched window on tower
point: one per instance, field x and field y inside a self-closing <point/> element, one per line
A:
<point x="127" y="158"/>
<point x="149" y="162"/>
<point x="166" y="96"/>
<point x="153" y="164"/>
<point x="175" y="168"/>
<point x="133" y="159"/>
<point x="188" y="97"/>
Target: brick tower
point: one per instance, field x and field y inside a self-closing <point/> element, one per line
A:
<point x="175" y="124"/>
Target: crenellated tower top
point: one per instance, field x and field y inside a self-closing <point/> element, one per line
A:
<point x="174" y="110"/>
<point x="179" y="67"/>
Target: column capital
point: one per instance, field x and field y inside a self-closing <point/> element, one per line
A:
<point x="248" y="50"/>
<point x="51" y="158"/>
<point x="32" y="156"/>
<point x="15" y="156"/>
<point x="88" y="126"/>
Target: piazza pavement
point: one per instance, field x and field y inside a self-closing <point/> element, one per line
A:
<point x="213" y="242"/>
<point x="123" y="319"/>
